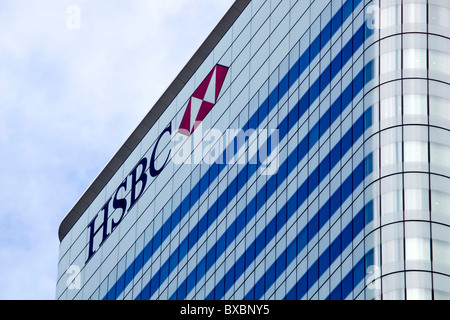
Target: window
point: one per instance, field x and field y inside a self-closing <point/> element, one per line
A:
<point x="441" y="287"/>
<point x="390" y="59"/>
<point x="414" y="59"/>
<point x="439" y="104"/>
<point x="392" y="248"/>
<point x="439" y="17"/>
<point x="441" y="248"/>
<point x="391" y="199"/>
<point x="391" y="17"/>
<point x="416" y="151"/>
<point x="418" y="286"/>
<point x="415" y="101"/>
<point x="414" y="13"/>
<point x="415" y="104"/>
<point x="390" y="104"/>
<point x="415" y="148"/>
<point x="416" y="196"/>
<point x="417" y="245"/>
<point x="440" y="151"/>
<point x="414" y="55"/>
<point x="440" y="199"/>
<point x="394" y="286"/>
<point x="439" y="58"/>
<point x="391" y="151"/>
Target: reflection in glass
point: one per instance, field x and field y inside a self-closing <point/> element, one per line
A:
<point x="418" y="286"/>
<point x="439" y="17"/>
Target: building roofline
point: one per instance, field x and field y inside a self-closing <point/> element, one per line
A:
<point x="153" y="115"/>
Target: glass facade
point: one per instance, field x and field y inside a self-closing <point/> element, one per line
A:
<point x="357" y="92"/>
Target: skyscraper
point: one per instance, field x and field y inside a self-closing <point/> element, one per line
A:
<point x="302" y="153"/>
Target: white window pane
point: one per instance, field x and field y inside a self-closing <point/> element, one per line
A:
<point x="415" y="104"/>
<point x="415" y="59"/>
<point x="416" y="199"/>
<point x="416" y="151"/>
<point x="414" y="13"/>
<point x="417" y="249"/>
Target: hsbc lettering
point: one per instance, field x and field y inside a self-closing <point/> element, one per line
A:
<point x="201" y="102"/>
<point x="101" y="227"/>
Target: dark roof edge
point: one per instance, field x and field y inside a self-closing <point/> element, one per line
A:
<point x="153" y="115"/>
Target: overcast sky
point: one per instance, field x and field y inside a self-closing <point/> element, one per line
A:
<point x="76" y="78"/>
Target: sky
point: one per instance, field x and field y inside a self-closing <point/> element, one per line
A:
<point x="76" y="78"/>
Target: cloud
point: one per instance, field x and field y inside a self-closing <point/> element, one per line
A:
<point x="68" y="101"/>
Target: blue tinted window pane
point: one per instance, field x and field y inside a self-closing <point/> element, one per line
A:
<point x="259" y="288"/>
<point x="358" y="38"/>
<point x="292" y="161"/>
<point x="358" y="223"/>
<point x="368" y="212"/>
<point x="347" y="97"/>
<point x="302" y="193"/>
<point x="335" y="202"/>
<point x="368" y="118"/>
<point x="273" y="99"/>
<point x="358" y="272"/>
<point x="229" y="278"/>
<point x="336" y="65"/>
<point x="314" y="135"/>
<point x="280" y="264"/>
<point x="347" y="285"/>
<point x="313" y="274"/>
<point x="347" y="9"/>
<point x="314" y="91"/>
<point x="325" y="78"/>
<point x="313" y="180"/>
<point x="313" y="227"/>
<point x="263" y="110"/>
<point x="314" y="48"/>
<point x="281" y="217"/>
<point x="183" y="248"/>
<point x="293" y="116"/>
<point x="324" y="214"/>
<point x="336" y="22"/>
<point x="292" y="294"/>
<point x="302" y="287"/>
<point x="347" y="142"/>
<point x="324" y="261"/>
<point x="347" y="188"/>
<point x="261" y="200"/>
<point x="325" y="122"/>
<point x="336" y="293"/>
<point x="261" y="242"/>
<point x="220" y="289"/>
<point x="347" y="236"/>
<point x="347" y="52"/>
<point x="335" y="154"/>
<point x="294" y="73"/>
<point x="291" y="252"/>
<point x="304" y="61"/>
<point x="270" y="278"/>
<point x="324" y="167"/>
<point x="284" y="85"/>
<point x="335" y="110"/>
<point x="335" y="248"/>
<point x="271" y="185"/>
<point x="358" y="83"/>
<point x="326" y="34"/>
<point x="302" y="240"/>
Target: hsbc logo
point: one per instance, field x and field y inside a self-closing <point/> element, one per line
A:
<point x="192" y="144"/>
<point x="258" y="147"/>
<point x="203" y="100"/>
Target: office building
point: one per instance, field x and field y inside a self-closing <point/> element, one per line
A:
<point x="302" y="153"/>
